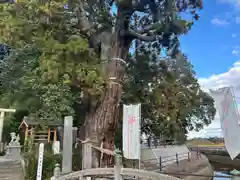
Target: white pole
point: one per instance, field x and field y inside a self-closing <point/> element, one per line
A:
<point x="2" y="115"/>
<point x="7" y="110"/>
<point x="140" y="115"/>
<point x="40" y="162"/>
<point x="1" y="124"/>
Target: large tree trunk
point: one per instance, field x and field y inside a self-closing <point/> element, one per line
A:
<point x="103" y="122"/>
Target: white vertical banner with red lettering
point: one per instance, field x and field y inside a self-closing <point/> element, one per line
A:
<point x="131" y="131"/>
<point x="229" y="118"/>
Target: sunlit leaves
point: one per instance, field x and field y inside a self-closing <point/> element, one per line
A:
<point x="51" y="66"/>
<point x="53" y="72"/>
<point x="171" y="98"/>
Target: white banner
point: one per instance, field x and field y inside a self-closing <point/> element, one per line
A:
<point x="40" y="162"/>
<point x="131" y="131"/>
<point x="229" y="118"/>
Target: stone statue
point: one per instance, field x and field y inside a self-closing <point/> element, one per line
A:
<point x="17" y="139"/>
<point x="13" y="137"/>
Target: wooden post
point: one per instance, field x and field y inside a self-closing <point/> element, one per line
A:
<point x="55" y="135"/>
<point x="197" y="153"/>
<point x="26" y="134"/>
<point x="49" y="134"/>
<point x="177" y="159"/>
<point x="160" y="163"/>
<point x="31" y="131"/>
<point x="118" y="166"/>
<point x="87" y="154"/>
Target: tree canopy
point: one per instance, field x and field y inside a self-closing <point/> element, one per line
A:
<point x="57" y="65"/>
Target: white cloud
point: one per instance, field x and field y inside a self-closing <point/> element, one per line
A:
<point x="236" y="50"/>
<point x="219" y="22"/>
<point x="229" y="78"/>
<point x="213" y="130"/>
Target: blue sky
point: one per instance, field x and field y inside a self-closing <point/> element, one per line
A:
<point x="212" y="44"/>
<point x="212" y="41"/>
<point x="213" y="47"/>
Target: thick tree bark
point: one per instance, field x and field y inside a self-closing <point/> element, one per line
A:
<point x="103" y="122"/>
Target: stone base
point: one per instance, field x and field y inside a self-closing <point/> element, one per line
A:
<point x="13" y="151"/>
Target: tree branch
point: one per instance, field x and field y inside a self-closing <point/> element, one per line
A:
<point x="135" y="35"/>
<point x="150" y="27"/>
<point x="84" y="23"/>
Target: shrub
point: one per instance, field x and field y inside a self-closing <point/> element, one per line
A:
<point x="31" y="160"/>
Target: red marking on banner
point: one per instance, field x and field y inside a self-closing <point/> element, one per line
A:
<point x="225" y="106"/>
<point x="131" y="121"/>
<point x="225" y="124"/>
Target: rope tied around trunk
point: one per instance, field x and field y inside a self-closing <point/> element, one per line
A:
<point x="119" y="59"/>
<point x="101" y="149"/>
<point x="114" y="79"/>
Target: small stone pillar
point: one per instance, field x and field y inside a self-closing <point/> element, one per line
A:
<point x="118" y="166"/>
<point x="67" y="145"/>
<point x="56" y="172"/>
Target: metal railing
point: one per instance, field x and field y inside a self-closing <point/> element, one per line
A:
<point x="165" y="161"/>
<point x="207" y="148"/>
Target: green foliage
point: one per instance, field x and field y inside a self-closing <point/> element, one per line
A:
<point x="77" y="159"/>
<point x="31" y="160"/>
<point x="21" y="74"/>
<point x="49" y="160"/>
<point x="172" y="100"/>
<point x="50" y="66"/>
<point x="52" y="72"/>
<point x="51" y="29"/>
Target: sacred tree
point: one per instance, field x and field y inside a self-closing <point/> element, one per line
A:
<point x="55" y="37"/>
<point x="159" y="24"/>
